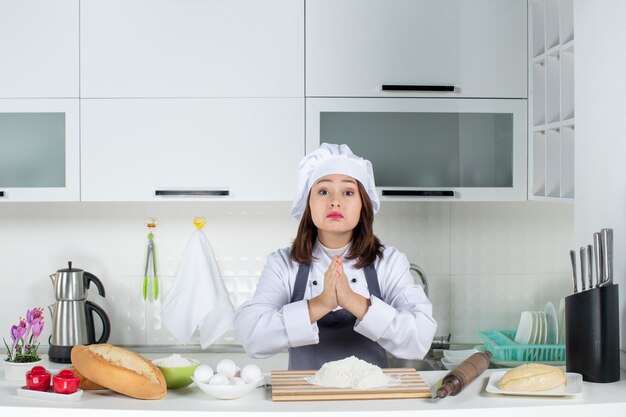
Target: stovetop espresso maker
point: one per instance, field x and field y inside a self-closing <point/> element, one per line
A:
<point x="72" y="314"/>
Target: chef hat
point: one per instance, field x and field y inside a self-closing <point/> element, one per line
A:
<point x="332" y="159"/>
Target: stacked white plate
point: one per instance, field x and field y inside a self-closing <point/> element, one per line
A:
<point x="539" y="327"/>
<point x="453" y="358"/>
<point x="561" y="319"/>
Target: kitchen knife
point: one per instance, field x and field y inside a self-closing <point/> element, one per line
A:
<point x="590" y="266"/>
<point x="607" y="260"/>
<point x="598" y="256"/>
<point x="583" y="267"/>
<point x="572" y="256"/>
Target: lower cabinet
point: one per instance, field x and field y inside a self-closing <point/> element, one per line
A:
<point x="163" y="149"/>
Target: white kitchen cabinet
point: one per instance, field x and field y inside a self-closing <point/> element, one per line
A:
<point x="430" y="149"/>
<point x="39" y="48"/>
<point x="355" y="47"/>
<point x="551" y="100"/>
<point x="39" y="150"/>
<point x="215" y="149"/>
<point x="192" y="48"/>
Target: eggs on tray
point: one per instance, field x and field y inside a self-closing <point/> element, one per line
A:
<point x="227" y="373"/>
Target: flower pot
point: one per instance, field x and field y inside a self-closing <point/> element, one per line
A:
<point x="15" y="372"/>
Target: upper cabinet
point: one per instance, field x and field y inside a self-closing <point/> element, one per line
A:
<point x="391" y="48"/>
<point x="431" y="149"/>
<point x="39" y="156"/>
<point x="192" y="48"/>
<point x="39" y="49"/>
<point x="216" y="149"/>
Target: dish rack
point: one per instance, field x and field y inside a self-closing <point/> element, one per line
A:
<point x="501" y="344"/>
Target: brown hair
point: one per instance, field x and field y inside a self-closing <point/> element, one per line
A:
<point x="365" y="247"/>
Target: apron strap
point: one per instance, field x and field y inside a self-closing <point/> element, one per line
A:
<point x="300" y="285"/>
<point x="372" y="280"/>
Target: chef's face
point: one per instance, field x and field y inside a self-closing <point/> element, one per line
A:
<point x="335" y="205"/>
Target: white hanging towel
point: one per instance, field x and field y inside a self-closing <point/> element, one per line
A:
<point x="198" y="297"/>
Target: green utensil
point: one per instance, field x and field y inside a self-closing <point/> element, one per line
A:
<point x="151" y="254"/>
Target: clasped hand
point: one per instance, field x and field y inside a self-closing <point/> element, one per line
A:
<point x="337" y="293"/>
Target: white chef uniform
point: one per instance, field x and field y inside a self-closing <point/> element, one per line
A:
<point x="401" y="321"/>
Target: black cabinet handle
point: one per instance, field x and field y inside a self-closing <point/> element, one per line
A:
<point x="205" y="193"/>
<point x="1" y="193"/>
<point x="418" y="193"/>
<point x="397" y="87"/>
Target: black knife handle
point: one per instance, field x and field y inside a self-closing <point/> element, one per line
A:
<point x="404" y="87"/>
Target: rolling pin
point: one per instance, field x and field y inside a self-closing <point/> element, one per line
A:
<point x="464" y="374"/>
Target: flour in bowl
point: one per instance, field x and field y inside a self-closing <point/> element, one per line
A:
<point x="174" y="361"/>
<point x="350" y="372"/>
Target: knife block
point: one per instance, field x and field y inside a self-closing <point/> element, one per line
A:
<point x="592" y="334"/>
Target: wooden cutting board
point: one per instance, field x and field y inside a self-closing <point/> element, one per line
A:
<point x="291" y="386"/>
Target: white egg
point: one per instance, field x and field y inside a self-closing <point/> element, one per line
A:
<point x="250" y="373"/>
<point x="203" y="373"/>
<point x="227" y="368"/>
<point x="218" y="379"/>
<point x="237" y="381"/>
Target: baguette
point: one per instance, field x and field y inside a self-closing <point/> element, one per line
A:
<point x="120" y="370"/>
<point x="85" y="383"/>
<point x="532" y="377"/>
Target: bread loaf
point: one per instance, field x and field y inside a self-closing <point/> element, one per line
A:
<point x="85" y="383"/>
<point x="120" y="370"/>
<point x="532" y="377"/>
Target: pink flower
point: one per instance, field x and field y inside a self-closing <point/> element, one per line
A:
<point x="37" y="329"/>
<point x="34" y="316"/>
<point x="17" y="332"/>
<point x="35" y="322"/>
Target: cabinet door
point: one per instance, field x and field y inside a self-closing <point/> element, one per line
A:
<point x="246" y="148"/>
<point x="478" y="47"/>
<point x="430" y="149"/>
<point x="39" y="141"/>
<point x="192" y="48"/>
<point x="38" y="48"/>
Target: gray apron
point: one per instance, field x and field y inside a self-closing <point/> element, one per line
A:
<point x="337" y="338"/>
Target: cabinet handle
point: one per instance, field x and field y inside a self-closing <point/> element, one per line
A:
<point x="395" y="87"/>
<point x="1" y="193"/>
<point x="205" y="193"/>
<point x="418" y="193"/>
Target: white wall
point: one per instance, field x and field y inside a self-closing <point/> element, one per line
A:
<point x="600" y="96"/>
<point x="486" y="261"/>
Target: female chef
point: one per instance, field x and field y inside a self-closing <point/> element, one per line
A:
<point x="337" y="291"/>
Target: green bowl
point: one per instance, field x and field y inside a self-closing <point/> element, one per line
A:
<point x="178" y="377"/>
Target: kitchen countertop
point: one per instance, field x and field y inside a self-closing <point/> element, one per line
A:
<point x="603" y="399"/>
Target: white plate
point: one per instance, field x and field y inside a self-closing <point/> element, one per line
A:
<point x="534" y="338"/>
<point x="525" y="328"/>
<point x="229" y="392"/>
<point x="456" y="355"/>
<point x="543" y="328"/>
<point x="552" y="322"/>
<point x="561" y="316"/>
<point x="450" y="364"/>
<point x="49" y="395"/>
<point x="574" y="386"/>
